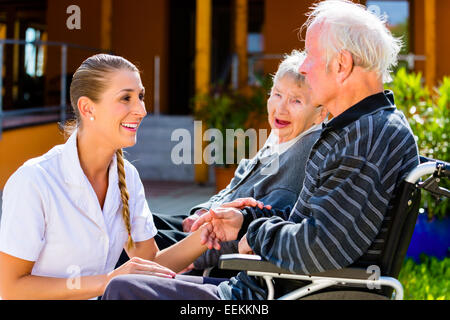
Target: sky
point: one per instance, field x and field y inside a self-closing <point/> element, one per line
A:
<point x="397" y="11"/>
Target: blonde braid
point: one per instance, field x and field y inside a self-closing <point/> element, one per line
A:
<point x="125" y="196"/>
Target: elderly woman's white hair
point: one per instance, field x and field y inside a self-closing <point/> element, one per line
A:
<point x="349" y="26"/>
<point x="290" y="65"/>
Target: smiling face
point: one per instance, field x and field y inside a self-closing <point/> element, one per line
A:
<point x="120" y="109"/>
<point x="290" y="109"/>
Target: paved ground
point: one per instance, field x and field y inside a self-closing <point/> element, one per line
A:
<point x="175" y="197"/>
<point x="172" y="197"/>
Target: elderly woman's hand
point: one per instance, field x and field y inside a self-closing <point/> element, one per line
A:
<point x="189" y="221"/>
<point x="241" y="203"/>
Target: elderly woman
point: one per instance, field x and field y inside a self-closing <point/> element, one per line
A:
<point x="275" y="175"/>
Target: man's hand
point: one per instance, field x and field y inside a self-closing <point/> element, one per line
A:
<point x="222" y="224"/>
<point x="243" y="246"/>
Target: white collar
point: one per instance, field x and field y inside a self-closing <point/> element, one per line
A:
<point x="73" y="173"/>
<point x="272" y="146"/>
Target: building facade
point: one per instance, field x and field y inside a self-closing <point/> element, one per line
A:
<point x="181" y="47"/>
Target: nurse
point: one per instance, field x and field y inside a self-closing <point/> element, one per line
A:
<point x="68" y="214"/>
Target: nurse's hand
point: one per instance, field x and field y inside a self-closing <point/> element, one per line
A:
<point x="141" y="266"/>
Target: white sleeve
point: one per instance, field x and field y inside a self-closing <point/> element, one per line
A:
<point x="22" y="226"/>
<point x="142" y="225"/>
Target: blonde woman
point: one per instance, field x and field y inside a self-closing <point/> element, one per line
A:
<point x="68" y="214"/>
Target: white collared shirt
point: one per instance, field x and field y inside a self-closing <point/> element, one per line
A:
<point x="52" y="216"/>
<point x="272" y="146"/>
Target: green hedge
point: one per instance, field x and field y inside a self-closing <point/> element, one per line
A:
<point x="428" y="280"/>
<point x="428" y="114"/>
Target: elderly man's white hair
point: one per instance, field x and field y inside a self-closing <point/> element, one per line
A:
<point x="351" y="27"/>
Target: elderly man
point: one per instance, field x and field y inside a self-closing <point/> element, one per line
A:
<point x="353" y="170"/>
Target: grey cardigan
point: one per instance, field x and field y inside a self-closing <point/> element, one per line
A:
<point x="253" y="178"/>
<point x="279" y="189"/>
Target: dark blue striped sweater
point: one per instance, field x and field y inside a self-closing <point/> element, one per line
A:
<point x="351" y="176"/>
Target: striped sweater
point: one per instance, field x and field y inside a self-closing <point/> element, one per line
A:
<point x="351" y="176"/>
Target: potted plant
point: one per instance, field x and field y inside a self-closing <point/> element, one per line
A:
<point x="225" y="109"/>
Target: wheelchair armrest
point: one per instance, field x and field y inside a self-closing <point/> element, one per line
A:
<point x="249" y="262"/>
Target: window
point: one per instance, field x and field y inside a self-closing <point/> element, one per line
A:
<point x="34" y="55"/>
<point x="255" y="42"/>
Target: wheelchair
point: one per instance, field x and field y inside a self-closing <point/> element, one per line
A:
<point x="374" y="275"/>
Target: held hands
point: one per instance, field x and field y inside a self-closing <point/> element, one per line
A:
<point x="237" y="204"/>
<point x="223" y="223"/>
<point x="219" y="225"/>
